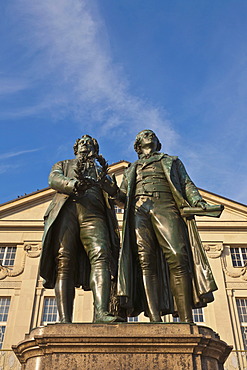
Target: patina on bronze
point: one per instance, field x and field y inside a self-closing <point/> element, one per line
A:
<point x="81" y="241"/>
<point x="163" y="267"/>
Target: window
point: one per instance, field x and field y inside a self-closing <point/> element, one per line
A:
<point x="4" y="310"/>
<point x="2" y="331"/>
<point x="50" y="312"/>
<point x="133" y="319"/>
<point x="197" y="316"/>
<point x="7" y="255"/>
<point x="242" y="314"/>
<point x="239" y="256"/>
<point x="118" y="209"/>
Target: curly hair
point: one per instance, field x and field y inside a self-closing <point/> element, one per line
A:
<point x="95" y="144"/>
<point x="137" y="142"/>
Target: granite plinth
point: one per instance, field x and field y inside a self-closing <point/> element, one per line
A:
<point x="122" y="346"/>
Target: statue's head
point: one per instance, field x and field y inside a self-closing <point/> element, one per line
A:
<point x="86" y="145"/>
<point x="146" y="139"/>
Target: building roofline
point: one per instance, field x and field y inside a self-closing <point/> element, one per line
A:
<point x="111" y="165"/>
<point x="25" y="196"/>
<point x="221" y="196"/>
<point x="118" y="162"/>
<point x="47" y="188"/>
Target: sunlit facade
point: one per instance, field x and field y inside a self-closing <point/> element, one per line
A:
<point x="25" y="304"/>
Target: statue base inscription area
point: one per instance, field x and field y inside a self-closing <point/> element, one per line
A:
<point x="122" y="346"/>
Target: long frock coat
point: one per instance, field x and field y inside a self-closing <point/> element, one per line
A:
<point x="62" y="179"/>
<point x="130" y="287"/>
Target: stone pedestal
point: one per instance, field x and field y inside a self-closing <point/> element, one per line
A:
<point x="122" y="347"/>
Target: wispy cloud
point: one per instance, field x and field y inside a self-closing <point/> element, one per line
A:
<point x="12" y="85"/>
<point x="68" y="70"/>
<point x="72" y="44"/>
<point x="7" y="167"/>
<point x="36" y="109"/>
<point x="16" y="154"/>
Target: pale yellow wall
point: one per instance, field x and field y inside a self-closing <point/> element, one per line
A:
<point x="21" y="223"/>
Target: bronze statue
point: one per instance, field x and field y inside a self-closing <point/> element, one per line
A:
<point x="81" y="241"/>
<point x="163" y="267"/>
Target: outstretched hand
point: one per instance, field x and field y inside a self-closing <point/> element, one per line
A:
<point x="202" y="204"/>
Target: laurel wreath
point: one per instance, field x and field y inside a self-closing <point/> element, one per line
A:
<point x="81" y="167"/>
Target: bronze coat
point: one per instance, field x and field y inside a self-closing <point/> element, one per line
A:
<point x="130" y="287"/>
<point x="62" y="179"/>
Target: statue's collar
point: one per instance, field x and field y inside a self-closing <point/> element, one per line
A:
<point x="85" y="159"/>
<point x="147" y="156"/>
<point x="154" y="157"/>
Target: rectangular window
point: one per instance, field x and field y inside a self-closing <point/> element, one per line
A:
<point x="4" y="310"/>
<point x="242" y="314"/>
<point x="2" y="331"/>
<point x="50" y="312"/>
<point x="133" y="319"/>
<point x="118" y="209"/>
<point x="7" y="255"/>
<point x="197" y="316"/>
<point x="239" y="256"/>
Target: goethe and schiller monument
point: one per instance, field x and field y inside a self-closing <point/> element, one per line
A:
<point x="161" y="267"/>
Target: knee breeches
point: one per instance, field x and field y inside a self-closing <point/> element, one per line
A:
<point x="159" y="225"/>
<point x="81" y="223"/>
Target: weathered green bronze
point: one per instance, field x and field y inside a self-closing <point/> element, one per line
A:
<point x="81" y="240"/>
<point x="163" y="267"/>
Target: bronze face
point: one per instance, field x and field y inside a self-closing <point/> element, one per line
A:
<point x="148" y="140"/>
<point x="85" y="146"/>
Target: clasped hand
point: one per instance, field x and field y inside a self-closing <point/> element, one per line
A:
<point x="109" y="185"/>
<point x="84" y="184"/>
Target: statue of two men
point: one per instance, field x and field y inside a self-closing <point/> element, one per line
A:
<point x="162" y="267"/>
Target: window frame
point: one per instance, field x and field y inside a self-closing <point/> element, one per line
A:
<point x="240" y="252"/>
<point x="132" y="319"/>
<point x="118" y="210"/>
<point x="3" y="323"/>
<point x="194" y="313"/>
<point x="243" y="324"/>
<point x="45" y="322"/>
<point x="6" y="250"/>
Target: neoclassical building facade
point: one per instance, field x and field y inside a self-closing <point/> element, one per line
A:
<point x="25" y="304"/>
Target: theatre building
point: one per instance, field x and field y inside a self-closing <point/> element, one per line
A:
<point x="25" y="304"/>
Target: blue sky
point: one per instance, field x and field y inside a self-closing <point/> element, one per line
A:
<point x="110" y="68"/>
